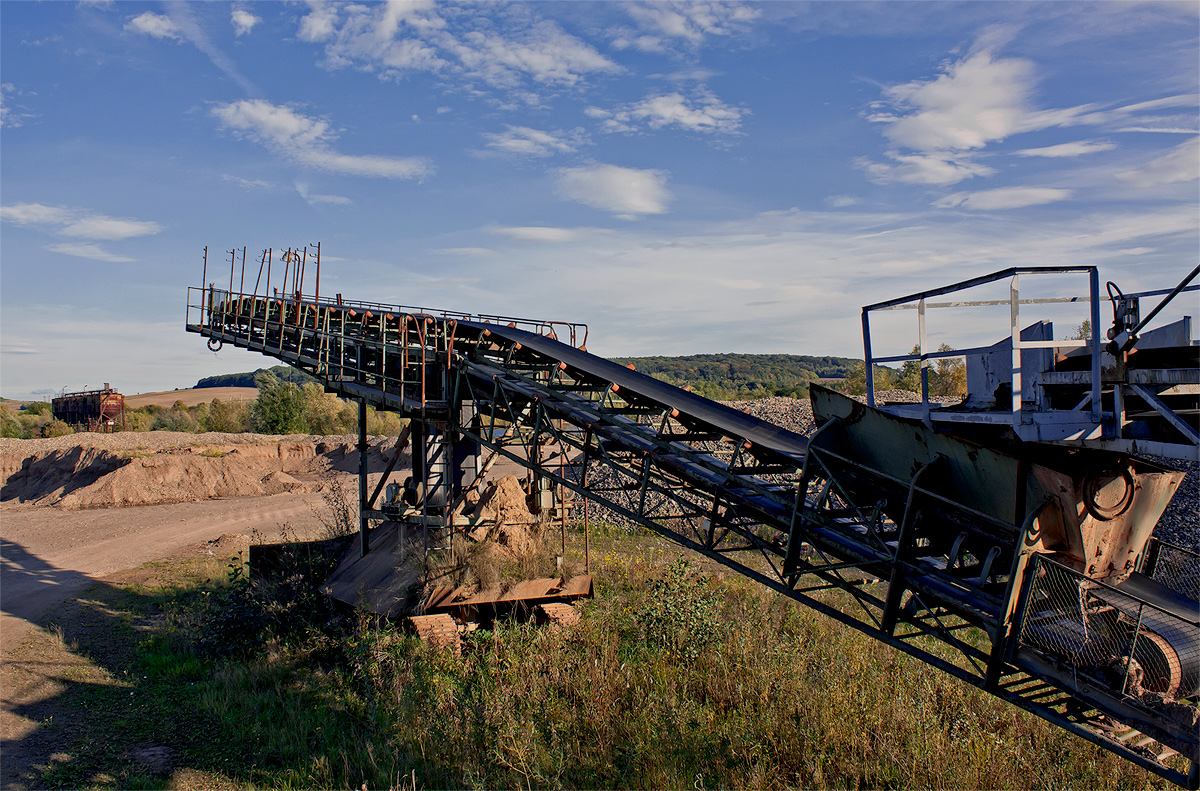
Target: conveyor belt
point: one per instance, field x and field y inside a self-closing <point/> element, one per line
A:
<point x="732" y="422"/>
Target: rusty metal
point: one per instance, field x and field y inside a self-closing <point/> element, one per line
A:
<point x="91" y="410"/>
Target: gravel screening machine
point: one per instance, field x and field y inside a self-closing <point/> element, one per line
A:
<point x="1007" y="539"/>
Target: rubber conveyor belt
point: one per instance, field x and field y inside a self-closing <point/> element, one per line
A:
<point x="732" y="422"/>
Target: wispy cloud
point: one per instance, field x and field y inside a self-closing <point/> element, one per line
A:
<point x="308" y="141"/>
<point x="661" y="24"/>
<point x="1076" y="149"/>
<point x="77" y="223"/>
<point x="938" y="127"/>
<point x="1180" y="165"/>
<point x="538" y="233"/>
<point x="1003" y="198"/>
<point x="703" y="113"/>
<point x="250" y="184"/>
<point x="313" y="199"/>
<point x="12" y="115"/>
<point x="395" y="39"/>
<point x="625" y="192"/>
<point x="180" y="24"/>
<point x="92" y="251"/>
<point x="534" y="142"/>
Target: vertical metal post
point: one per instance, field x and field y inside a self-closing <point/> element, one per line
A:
<point x="204" y="277"/>
<point x="868" y="359"/>
<point x="1094" y="298"/>
<point x="317" y="297"/>
<point x="232" y="264"/>
<point x="1014" y="320"/>
<point x="921" y="344"/>
<point x="364" y="540"/>
<point x="242" y="284"/>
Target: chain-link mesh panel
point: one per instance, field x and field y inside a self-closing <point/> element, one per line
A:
<point x="1177" y="568"/>
<point x="1129" y="645"/>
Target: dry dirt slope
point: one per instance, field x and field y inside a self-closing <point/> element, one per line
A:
<point x="134" y="469"/>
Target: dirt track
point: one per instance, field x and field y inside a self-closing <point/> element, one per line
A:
<point x="76" y="509"/>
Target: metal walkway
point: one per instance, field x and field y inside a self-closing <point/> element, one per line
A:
<point x="907" y="560"/>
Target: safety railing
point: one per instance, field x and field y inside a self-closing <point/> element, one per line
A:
<point x="920" y="302"/>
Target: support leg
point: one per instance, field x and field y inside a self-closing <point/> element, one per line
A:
<point x="364" y="540"/>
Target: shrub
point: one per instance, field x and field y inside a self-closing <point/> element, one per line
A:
<point x="37" y="408"/>
<point x="279" y="408"/>
<point x="57" y="428"/>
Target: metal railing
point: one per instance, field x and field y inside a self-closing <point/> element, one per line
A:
<point x="920" y="303"/>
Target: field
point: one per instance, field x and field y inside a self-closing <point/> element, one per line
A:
<point x="192" y="397"/>
<point x="137" y="654"/>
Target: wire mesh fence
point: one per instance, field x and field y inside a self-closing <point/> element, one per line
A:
<point x="1129" y="645"/>
<point x="1175" y="567"/>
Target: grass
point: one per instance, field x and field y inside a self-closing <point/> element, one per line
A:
<point x="674" y="678"/>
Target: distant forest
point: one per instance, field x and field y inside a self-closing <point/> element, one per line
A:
<point x="732" y="377"/>
<point x="285" y="373"/>
<point x="725" y="377"/>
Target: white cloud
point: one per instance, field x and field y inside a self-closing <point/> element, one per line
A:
<point x="77" y="223"/>
<point x="470" y="252"/>
<point x="313" y="198"/>
<point x="1003" y="198"/>
<point x="937" y="170"/>
<point x="704" y="114"/>
<point x="153" y="25"/>
<point x="689" y="22"/>
<point x="397" y="38"/>
<point x="1068" y="149"/>
<point x="1181" y="164"/>
<point x="307" y="141"/>
<point x="1170" y="130"/>
<point x="320" y="23"/>
<point x="12" y="116"/>
<point x="92" y="251"/>
<point x="840" y="201"/>
<point x="542" y="233"/>
<point x="111" y="229"/>
<point x="179" y="23"/>
<point x="243" y="21"/>
<point x="534" y="142"/>
<point x="625" y="192"/>
<point x="249" y="184"/>
<point x="35" y="214"/>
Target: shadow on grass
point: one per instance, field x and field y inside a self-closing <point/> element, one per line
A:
<point x="102" y="696"/>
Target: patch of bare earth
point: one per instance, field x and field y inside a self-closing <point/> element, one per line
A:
<point x="84" y="519"/>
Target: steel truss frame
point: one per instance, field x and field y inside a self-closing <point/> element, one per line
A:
<point x="801" y="528"/>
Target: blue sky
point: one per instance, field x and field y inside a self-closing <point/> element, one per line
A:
<point x="683" y="177"/>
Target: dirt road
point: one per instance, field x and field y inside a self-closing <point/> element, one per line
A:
<point x="49" y="554"/>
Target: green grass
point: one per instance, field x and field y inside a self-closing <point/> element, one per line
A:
<point x="672" y="679"/>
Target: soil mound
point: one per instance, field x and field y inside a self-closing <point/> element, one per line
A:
<point x="516" y="532"/>
<point x="88" y="476"/>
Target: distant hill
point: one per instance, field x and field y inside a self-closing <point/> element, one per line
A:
<point x="285" y="372"/>
<point x="726" y="377"/>
<point x="729" y="377"/>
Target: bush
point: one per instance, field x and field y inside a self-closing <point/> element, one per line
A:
<point x="279" y="408"/>
<point x="37" y="408"/>
<point x="57" y="428"/>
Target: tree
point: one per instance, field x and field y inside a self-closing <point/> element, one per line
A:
<point x="279" y="408"/>
<point x="949" y="377"/>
